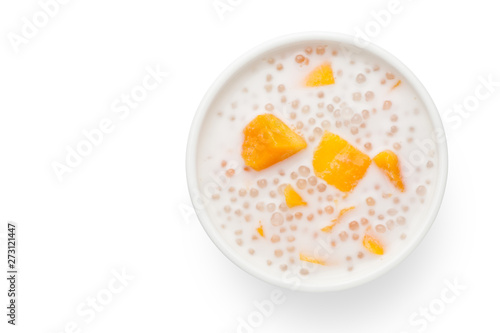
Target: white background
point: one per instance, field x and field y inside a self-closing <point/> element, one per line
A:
<point x="127" y="207"/>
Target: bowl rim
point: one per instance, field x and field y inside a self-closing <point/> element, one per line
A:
<point x="274" y="45"/>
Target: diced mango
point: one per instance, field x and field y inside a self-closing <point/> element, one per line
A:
<point x="337" y="220"/>
<point x="260" y="230"/>
<point x="388" y="161"/>
<point x="339" y="163"/>
<point x="313" y="260"/>
<point x="268" y="141"/>
<point x="292" y="198"/>
<point x="373" y="245"/>
<point x="320" y="76"/>
<point x="396" y="85"/>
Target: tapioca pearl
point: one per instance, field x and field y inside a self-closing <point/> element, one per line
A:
<point x="311" y="121"/>
<point x="281" y="188"/>
<point x="401" y="220"/>
<point x="392" y="212"/>
<point x="299" y="125"/>
<point x="366" y="114"/>
<point x="262" y="183"/>
<point x="394" y="118"/>
<point x="380" y="228"/>
<point x="277" y="219"/>
<point x="320" y="211"/>
<point x="396" y="200"/>
<point x="336" y="99"/>
<point x="273" y="194"/>
<point x="283" y="207"/>
<point x="376" y="68"/>
<point x="394" y="129"/>
<point x="310" y="217"/>
<point x="246" y="205"/>
<point x="409" y="140"/>
<point x="380" y="217"/>
<point x="290" y="249"/>
<point x="329" y="209"/>
<point x="254" y="192"/>
<point x="278" y="253"/>
<point x="389" y="76"/>
<point x="308" y="50"/>
<point x="251" y="251"/>
<point x="377" y="187"/>
<point x="271" y="207"/>
<point x="294" y="175"/>
<point x="340" y="73"/>
<point x="304" y="171"/>
<point x="364" y="221"/>
<point x="281" y="88"/>
<point x="367" y="70"/>
<point x="242" y="192"/>
<point x="368" y="146"/>
<point x="239" y="241"/>
<point x="321" y="94"/>
<point x="304" y="271"/>
<point x="275" y="238"/>
<point x="354" y="225"/>
<point x="260" y="206"/>
<point x="361" y="255"/>
<point x="295" y="104"/>
<point x="301" y="184"/>
<point x="227" y="209"/>
<point x="338" y="124"/>
<point x="387" y="105"/>
<point x="396" y="146"/>
<point x="356" y="119"/>
<point x="337" y="113"/>
<point x="354" y="130"/>
<point x="215" y="196"/>
<point x="370" y="201"/>
<point x="382" y="82"/>
<point x="230" y="172"/>
<point x="346" y="122"/>
<point x="321" y="188"/>
<point x="255" y="237"/>
<point x="356" y="96"/>
<point x="233" y="199"/>
<point x="355" y="236"/>
<point x="330" y="108"/>
<point x="405" y="208"/>
<point x="306" y="109"/>
<point x="352" y="62"/>
<point x="371" y="212"/>
<point x="312" y="180"/>
<point x="293" y="115"/>
<point x="290" y="239"/>
<point x="269" y="262"/>
<point x="299" y="58"/>
<point x="325" y="124"/>
<point x="343" y="236"/>
<point x="421" y="190"/>
<point x="291" y="260"/>
<point x="369" y="96"/>
<point x="320" y="50"/>
<point x="255" y="107"/>
<point x="348" y="258"/>
<point x="276" y="181"/>
<point x="248" y="218"/>
<point x="283" y="99"/>
<point x="279" y="67"/>
<point x="329" y="197"/>
<point x="403" y="236"/>
<point x="269" y="77"/>
<point x="293" y="227"/>
<point x="298" y="215"/>
<point x="318" y="131"/>
<point x="268" y="88"/>
<point x="289" y="217"/>
<point x="238" y="212"/>
<point x="320" y="114"/>
<point x="428" y="182"/>
<point x="390" y="224"/>
<point x="360" y="78"/>
<point x="269" y="107"/>
<point x="283" y="267"/>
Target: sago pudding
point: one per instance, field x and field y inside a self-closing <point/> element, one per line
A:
<point x="317" y="162"/>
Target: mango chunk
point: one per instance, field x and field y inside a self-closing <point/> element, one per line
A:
<point x="320" y="76"/>
<point x="268" y="141"/>
<point x="339" y="163"/>
<point x="260" y="230"/>
<point x="388" y="161"/>
<point x="337" y="220"/>
<point x="373" y="245"/>
<point x="313" y="260"/>
<point x="292" y="198"/>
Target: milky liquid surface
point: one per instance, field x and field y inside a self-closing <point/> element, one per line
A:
<point x="372" y="107"/>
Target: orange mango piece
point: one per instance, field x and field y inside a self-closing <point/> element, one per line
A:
<point x="339" y="163"/>
<point x="292" y="198"/>
<point x="320" y="76"/>
<point x="313" y="260"/>
<point x="337" y="220"/>
<point x="373" y="245"/>
<point x="388" y="161"/>
<point x="268" y="141"/>
<point x="396" y="85"/>
<point x="260" y="230"/>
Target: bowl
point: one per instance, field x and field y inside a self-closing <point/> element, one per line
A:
<point x="199" y="201"/>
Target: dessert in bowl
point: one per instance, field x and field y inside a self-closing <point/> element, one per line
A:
<point x="315" y="164"/>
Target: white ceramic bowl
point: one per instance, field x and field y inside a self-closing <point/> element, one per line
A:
<point x="260" y="52"/>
